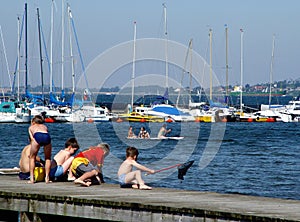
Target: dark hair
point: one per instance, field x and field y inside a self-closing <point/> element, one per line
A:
<point x="38" y="119"/>
<point x="72" y="142"/>
<point x="132" y="151"/>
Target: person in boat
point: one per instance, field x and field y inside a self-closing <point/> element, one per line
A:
<point x="63" y="160"/>
<point x="39" y="136"/>
<point x="87" y="165"/>
<point x="24" y="173"/>
<point x="163" y="131"/>
<point x="131" y="133"/>
<point x="129" y="178"/>
<point x="143" y="133"/>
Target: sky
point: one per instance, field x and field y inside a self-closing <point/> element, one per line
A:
<point x="101" y="25"/>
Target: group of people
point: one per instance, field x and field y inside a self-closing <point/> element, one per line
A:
<point x="84" y="168"/>
<point x="143" y="134"/>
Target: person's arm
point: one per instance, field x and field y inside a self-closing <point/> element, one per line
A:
<point x="141" y="167"/>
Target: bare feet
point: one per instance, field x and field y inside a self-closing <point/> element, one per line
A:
<point x="81" y="182"/>
<point x="145" y="187"/>
<point x="30" y="182"/>
<point x="71" y="179"/>
<point x="47" y="180"/>
<point x="135" y="186"/>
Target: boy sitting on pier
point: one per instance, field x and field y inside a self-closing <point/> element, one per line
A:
<point x="133" y="178"/>
<point x="63" y="160"/>
<point x="87" y="165"/>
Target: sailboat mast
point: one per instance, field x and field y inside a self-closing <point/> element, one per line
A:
<point x="242" y="68"/>
<point x="133" y="65"/>
<point x="271" y="69"/>
<point x="26" y="50"/>
<point x="190" y="73"/>
<point x="210" y="65"/>
<point x="51" y="45"/>
<point x="19" y="55"/>
<point x="71" y="49"/>
<point x="41" y="55"/>
<point x="166" y="48"/>
<point x="62" y="43"/>
<point x="226" y="33"/>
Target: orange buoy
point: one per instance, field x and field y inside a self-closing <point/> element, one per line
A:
<point x="270" y="119"/>
<point x="49" y="120"/>
<point x="250" y="120"/>
<point x="224" y="120"/>
<point x="90" y="121"/>
<point x="142" y="120"/>
<point x="169" y="120"/>
<point x="119" y="120"/>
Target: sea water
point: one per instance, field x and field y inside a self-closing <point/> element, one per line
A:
<point x="260" y="159"/>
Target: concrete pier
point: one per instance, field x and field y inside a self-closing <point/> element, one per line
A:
<point x="65" y="201"/>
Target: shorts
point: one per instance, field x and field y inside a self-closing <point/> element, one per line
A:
<point x="56" y="171"/>
<point x="122" y="179"/>
<point x="82" y="168"/>
<point x="42" y="139"/>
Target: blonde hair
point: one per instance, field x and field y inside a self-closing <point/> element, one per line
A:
<point x="105" y="147"/>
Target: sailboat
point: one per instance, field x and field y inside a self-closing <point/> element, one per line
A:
<point x="12" y="110"/>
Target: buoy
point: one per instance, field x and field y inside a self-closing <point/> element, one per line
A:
<point x="90" y="121"/>
<point x="142" y="120"/>
<point x="197" y="120"/>
<point x="270" y="119"/>
<point x="169" y="120"/>
<point x="224" y="120"/>
<point x="250" y="120"/>
<point x="119" y="120"/>
<point x="49" y="120"/>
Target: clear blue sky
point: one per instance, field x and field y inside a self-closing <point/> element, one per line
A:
<point x="103" y="24"/>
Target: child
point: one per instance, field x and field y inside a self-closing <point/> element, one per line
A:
<point x="24" y="173"/>
<point x="63" y="160"/>
<point x="87" y="165"/>
<point x="131" y="133"/>
<point x="163" y="131"/>
<point x="39" y="136"/>
<point x="143" y="133"/>
<point x="127" y="176"/>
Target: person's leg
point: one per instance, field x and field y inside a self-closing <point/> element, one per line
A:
<point x="85" y="176"/>
<point x="34" y="149"/>
<point x="134" y="176"/>
<point x="47" y="152"/>
<point x="66" y="165"/>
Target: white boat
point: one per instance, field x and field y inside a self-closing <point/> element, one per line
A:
<point x="93" y="113"/>
<point x="291" y="113"/>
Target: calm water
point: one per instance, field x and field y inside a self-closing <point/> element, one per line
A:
<point x="260" y="159"/>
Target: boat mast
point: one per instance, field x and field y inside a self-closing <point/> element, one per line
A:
<point x="190" y="73"/>
<point x="6" y="61"/>
<point x="62" y="44"/>
<point x="210" y="65"/>
<point x="41" y="55"/>
<point x="226" y="33"/>
<point x="241" y="93"/>
<point x="133" y="65"/>
<point x="51" y="45"/>
<point x="26" y="51"/>
<point x="71" y="48"/>
<point x="19" y="55"/>
<point x="271" y="70"/>
<point x="166" y="48"/>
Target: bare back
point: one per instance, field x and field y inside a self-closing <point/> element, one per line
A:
<point x="38" y="128"/>
<point x="62" y="156"/>
<point x="24" y="160"/>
